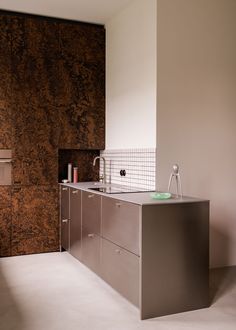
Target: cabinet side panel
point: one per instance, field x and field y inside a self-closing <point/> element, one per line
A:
<point x="175" y="258"/>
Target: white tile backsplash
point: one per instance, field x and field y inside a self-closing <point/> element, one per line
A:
<point x="139" y="164"/>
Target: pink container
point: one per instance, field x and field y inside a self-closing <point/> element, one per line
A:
<point x="75" y="174"/>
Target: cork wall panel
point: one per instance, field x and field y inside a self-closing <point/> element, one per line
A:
<point x="5" y="83"/>
<point x="35" y="171"/>
<point x="52" y="94"/>
<point x="34" y="211"/>
<point x="35" y="132"/>
<point x="35" y="225"/>
<point x="35" y="153"/>
<point x="5" y="221"/>
<point x="82" y="41"/>
<point x="30" y="245"/>
<point x="5" y="53"/>
<point x="5" y="197"/>
<point x="34" y="113"/>
<point x="5" y="232"/>
<point x="82" y="96"/>
<point x="5" y="125"/>
<point x="35" y="53"/>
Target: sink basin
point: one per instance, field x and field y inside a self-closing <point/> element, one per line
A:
<point x="117" y="190"/>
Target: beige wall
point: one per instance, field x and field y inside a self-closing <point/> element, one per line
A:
<point x="131" y="77"/>
<point x="196" y="109"/>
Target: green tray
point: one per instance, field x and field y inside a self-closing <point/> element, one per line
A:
<point x="162" y="195"/>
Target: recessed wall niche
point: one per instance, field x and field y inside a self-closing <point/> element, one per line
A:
<point x="83" y="159"/>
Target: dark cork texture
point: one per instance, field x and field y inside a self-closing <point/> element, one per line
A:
<point x="81" y="97"/>
<point x="5" y="83"/>
<point x="34" y="215"/>
<point x="5" y="221"/>
<point x="52" y="97"/>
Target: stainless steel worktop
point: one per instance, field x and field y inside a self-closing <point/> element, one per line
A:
<point x="140" y="198"/>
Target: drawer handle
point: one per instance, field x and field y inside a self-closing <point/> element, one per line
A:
<point x="118" y="204"/>
<point x="64" y="220"/>
<point x="118" y="251"/>
<point x="75" y="192"/>
<point x="90" y="235"/>
<point x="90" y="196"/>
<point x="64" y="189"/>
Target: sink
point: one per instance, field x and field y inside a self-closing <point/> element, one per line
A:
<point x="118" y="190"/>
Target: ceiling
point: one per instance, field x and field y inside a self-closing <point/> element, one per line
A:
<point x="92" y="11"/>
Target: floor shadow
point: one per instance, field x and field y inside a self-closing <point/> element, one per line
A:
<point x="11" y="316"/>
<point x="222" y="280"/>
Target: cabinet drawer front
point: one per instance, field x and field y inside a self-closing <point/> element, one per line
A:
<point x="120" y="269"/>
<point x="121" y="224"/>
<point x="91" y="250"/>
<point x="91" y="212"/>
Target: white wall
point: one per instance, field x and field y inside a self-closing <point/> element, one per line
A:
<point x="197" y="109"/>
<point x="131" y="77"/>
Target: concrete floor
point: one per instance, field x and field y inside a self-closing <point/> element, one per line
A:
<point x="54" y="292"/>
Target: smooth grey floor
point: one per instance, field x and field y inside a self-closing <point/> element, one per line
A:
<point x="54" y="291"/>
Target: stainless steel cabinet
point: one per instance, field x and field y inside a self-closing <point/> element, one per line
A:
<point x="91" y="229"/>
<point x="91" y="250"/>
<point x="91" y="212"/>
<point x="65" y="217"/>
<point x="120" y="269"/>
<point x="121" y="223"/>
<point x="75" y="223"/>
<point x="156" y="255"/>
<point x="71" y="220"/>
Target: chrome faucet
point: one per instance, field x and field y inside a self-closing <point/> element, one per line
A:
<point x="102" y="178"/>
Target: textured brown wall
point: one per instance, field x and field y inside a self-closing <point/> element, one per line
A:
<point x="5" y="83"/>
<point x="52" y="96"/>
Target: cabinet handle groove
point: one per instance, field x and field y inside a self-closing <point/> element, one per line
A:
<point x="118" y="204"/>
<point x="90" y="196"/>
<point x="64" y="189"/>
<point x="75" y="192"/>
<point x="118" y="251"/>
<point x="91" y="235"/>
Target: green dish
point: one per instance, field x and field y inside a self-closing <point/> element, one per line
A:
<point x="164" y="195"/>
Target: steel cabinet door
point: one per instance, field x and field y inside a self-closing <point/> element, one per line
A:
<point x="91" y="250"/>
<point x="91" y="212"/>
<point x="121" y="223"/>
<point x="91" y="227"/>
<point x="75" y="223"/>
<point x="65" y="218"/>
<point x="120" y="269"/>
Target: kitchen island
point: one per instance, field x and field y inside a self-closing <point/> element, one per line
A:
<point x="154" y="252"/>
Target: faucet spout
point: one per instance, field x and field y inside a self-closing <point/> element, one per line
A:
<point x="103" y="178"/>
